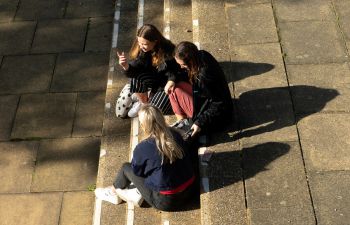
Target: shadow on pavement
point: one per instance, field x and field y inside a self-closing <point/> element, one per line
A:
<point x="226" y="168"/>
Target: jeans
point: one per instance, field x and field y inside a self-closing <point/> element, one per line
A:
<point x="162" y="202"/>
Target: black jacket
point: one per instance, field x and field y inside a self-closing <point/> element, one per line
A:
<point x="211" y="96"/>
<point x="169" y="70"/>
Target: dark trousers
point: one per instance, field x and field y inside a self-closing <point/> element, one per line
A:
<point x="162" y="202"/>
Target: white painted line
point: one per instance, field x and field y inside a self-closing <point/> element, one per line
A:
<point x="135" y="135"/>
<point x="140" y="13"/>
<point x="166" y="222"/>
<point x="103" y="152"/>
<point x="108" y="105"/>
<point x="195" y="23"/>
<point x="111" y="69"/>
<point x="130" y="215"/>
<point x="197" y="44"/>
<point x="97" y="212"/>
<point x="116" y="24"/>
<point x="205" y="184"/>
<point x="110" y="82"/>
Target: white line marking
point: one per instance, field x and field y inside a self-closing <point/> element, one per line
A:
<point x="110" y="82"/>
<point x="130" y="216"/>
<point x="111" y="69"/>
<point x="116" y="25"/>
<point x="97" y="212"/>
<point x="195" y="23"/>
<point x="140" y="13"/>
<point x="166" y="222"/>
<point x="108" y="105"/>
<point x="103" y="152"/>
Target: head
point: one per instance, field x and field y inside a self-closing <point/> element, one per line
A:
<point x="151" y="120"/>
<point x="186" y="55"/>
<point x="149" y="38"/>
<point x="153" y="125"/>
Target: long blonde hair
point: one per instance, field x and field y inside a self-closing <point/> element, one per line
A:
<point x="154" y="125"/>
<point x="152" y="34"/>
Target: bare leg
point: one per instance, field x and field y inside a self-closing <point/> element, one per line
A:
<point x="143" y="97"/>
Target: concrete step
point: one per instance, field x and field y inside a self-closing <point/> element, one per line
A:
<point x="120" y="136"/>
<point x="222" y="197"/>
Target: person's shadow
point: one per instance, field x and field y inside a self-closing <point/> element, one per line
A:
<point x="228" y="167"/>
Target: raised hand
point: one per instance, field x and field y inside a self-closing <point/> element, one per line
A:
<point x="123" y="61"/>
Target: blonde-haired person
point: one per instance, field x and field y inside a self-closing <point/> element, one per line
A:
<point x="151" y="66"/>
<point x="161" y="168"/>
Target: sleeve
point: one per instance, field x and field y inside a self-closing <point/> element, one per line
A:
<point x="214" y="103"/>
<point x="136" y="66"/>
<point x="138" y="162"/>
<point x="173" y="71"/>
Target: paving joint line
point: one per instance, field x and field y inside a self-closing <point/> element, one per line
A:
<point x="294" y="113"/>
<point x="86" y="33"/>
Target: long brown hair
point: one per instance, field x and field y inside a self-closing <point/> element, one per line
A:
<point x="154" y="125"/>
<point x="152" y="34"/>
<point x="188" y="53"/>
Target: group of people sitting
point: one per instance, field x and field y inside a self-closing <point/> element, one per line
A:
<point x="163" y="78"/>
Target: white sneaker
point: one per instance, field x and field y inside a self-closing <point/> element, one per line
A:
<point x="108" y="194"/>
<point x="130" y="195"/>
<point x="134" y="98"/>
<point x="135" y="108"/>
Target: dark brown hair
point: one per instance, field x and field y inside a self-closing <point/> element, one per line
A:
<point x="152" y="34"/>
<point x="188" y="53"/>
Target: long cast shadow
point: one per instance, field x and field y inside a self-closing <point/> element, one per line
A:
<point x="229" y="167"/>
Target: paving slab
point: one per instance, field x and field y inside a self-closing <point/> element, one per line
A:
<point x="89" y="114"/>
<point x="44" y="116"/>
<point x="89" y="8"/>
<point x="343" y="11"/>
<point x="153" y="13"/>
<point x="30" y="209"/>
<point x="16" y="37"/>
<point x="112" y="214"/>
<point x="274" y="176"/>
<point x="8" y="10"/>
<point x="80" y="72"/>
<point x="301" y="215"/>
<point x="208" y="33"/>
<point x="77" y="208"/>
<point x="325" y="142"/>
<point x="18" y="160"/>
<point x="181" y="21"/>
<point x="38" y="9"/>
<point x="242" y="2"/>
<point x="51" y="36"/>
<point x="330" y="193"/>
<point x="312" y="42"/>
<point x="116" y="152"/>
<point x="147" y="215"/>
<point x="126" y="31"/>
<point x="258" y="27"/>
<point x="99" y="35"/>
<point x="326" y="93"/>
<point x="265" y="115"/>
<point x="189" y="217"/>
<point x="257" y="66"/>
<point x="304" y="10"/>
<point x="26" y="74"/>
<point x="8" y="108"/>
<point x="66" y="164"/>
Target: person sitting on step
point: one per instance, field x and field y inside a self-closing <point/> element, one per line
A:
<point x="151" y="67"/>
<point x="161" y="169"/>
<point x="206" y="100"/>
